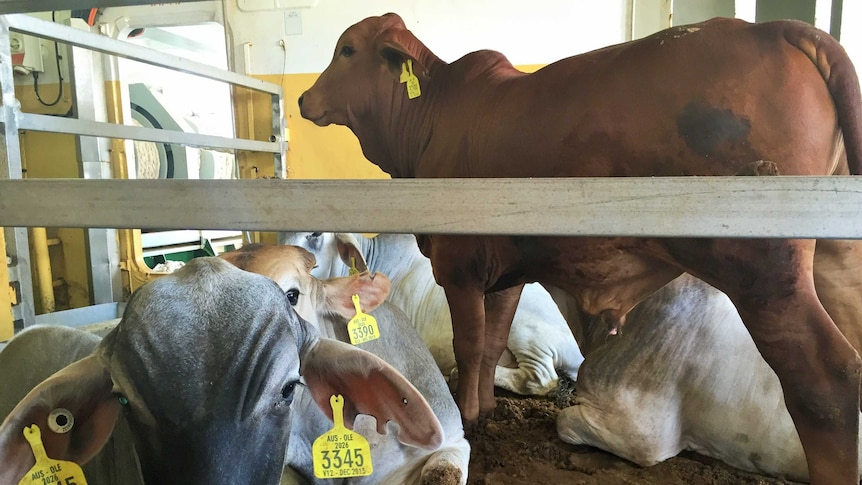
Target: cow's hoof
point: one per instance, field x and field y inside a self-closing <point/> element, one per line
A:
<point x="564" y="392"/>
<point x="471" y="428"/>
<point x="441" y="475"/>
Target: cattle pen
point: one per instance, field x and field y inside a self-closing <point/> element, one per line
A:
<point x="114" y="210"/>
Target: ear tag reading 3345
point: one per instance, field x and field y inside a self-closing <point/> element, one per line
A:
<point x="363" y="327"/>
<point x="412" y="81"/>
<point x="47" y="470"/>
<point x="340" y="453"/>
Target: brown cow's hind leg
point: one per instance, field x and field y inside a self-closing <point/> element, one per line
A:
<point x="500" y="309"/>
<point x="772" y="285"/>
<point x="819" y="372"/>
<point x="468" y="335"/>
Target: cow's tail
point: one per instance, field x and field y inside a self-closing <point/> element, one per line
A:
<point x="837" y="70"/>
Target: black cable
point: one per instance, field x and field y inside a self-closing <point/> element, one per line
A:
<point x="59" y="75"/>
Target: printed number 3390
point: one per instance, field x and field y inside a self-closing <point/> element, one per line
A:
<point x="334" y="459"/>
<point x="362" y="332"/>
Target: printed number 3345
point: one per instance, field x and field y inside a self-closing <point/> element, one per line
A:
<point x="334" y="459"/>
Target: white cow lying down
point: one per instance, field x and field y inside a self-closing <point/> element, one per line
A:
<point x="540" y="341"/>
<point x="327" y="304"/>
<point x="683" y="375"/>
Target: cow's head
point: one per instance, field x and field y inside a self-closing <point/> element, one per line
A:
<point x="314" y="299"/>
<point x="364" y="72"/>
<point x="333" y="252"/>
<point x="203" y="365"/>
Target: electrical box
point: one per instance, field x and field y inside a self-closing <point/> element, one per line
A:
<point x="26" y="52"/>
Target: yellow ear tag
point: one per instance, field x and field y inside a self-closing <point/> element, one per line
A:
<point x="47" y="470"/>
<point x="404" y="74"/>
<point x="340" y="453"/>
<point x="412" y="81"/>
<point x="363" y="327"/>
<point x="352" y="271"/>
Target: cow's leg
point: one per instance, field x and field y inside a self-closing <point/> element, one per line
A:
<point x="468" y="339"/>
<point x="500" y="309"/>
<point x="838" y="279"/>
<point x="772" y="285"/>
<point x="819" y="372"/>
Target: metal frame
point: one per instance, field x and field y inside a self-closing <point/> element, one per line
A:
<point x="101" y="241"/>
<point x="17" y="241"/>
<point x="102" y="245"/>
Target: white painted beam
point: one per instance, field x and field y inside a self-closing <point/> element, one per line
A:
<point x="826" y="207"/>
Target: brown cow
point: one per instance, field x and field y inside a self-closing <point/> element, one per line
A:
<point x="705" y="99"/>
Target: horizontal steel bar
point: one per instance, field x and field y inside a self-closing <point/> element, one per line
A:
<point x="15" y="6"/>
<point x="87" y="315"/>
<point x="795" y="207"/>
<point x="100" y="43"/>
<point x="36" y="122"/>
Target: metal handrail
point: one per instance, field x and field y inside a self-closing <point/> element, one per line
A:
<point x="87" y="40"/>
<point x="36" y="122"/>
<point x="49" y="30"/>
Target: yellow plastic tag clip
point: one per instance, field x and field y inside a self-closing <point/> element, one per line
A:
<point x="352" y="271"/>
<point x="412" y="81"/>
<point x="340" y="453"/>
<point x="47" y="470"/>
<point x="362" y="327"/>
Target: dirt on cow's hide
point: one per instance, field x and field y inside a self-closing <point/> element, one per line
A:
<point x="519" y="445"/>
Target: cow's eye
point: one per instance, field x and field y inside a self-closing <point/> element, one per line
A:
<point x="288" y="389"/>
<point x="292" y="296"/>
<point x="347" y="51"/>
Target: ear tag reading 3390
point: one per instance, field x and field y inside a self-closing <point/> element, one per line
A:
<point x="412" y="81"/>
<point x="363" y="327"/>
<point x="340" y="453"/>
<point x="47" y="470"/>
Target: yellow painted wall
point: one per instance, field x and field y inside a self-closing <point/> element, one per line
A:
<point x="320" y="153"/>
<point x="313" y="152"/>
<point x="48" y="92"/>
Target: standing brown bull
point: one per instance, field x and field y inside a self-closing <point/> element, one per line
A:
<point x="705" y="99"/>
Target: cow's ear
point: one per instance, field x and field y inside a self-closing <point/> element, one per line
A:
<point x="369" y="386"/>
<point x="396" y="45"/>
<point x="349" y="252"/>
<point x="84" y="389"/>
<point x="372" y="291"/>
